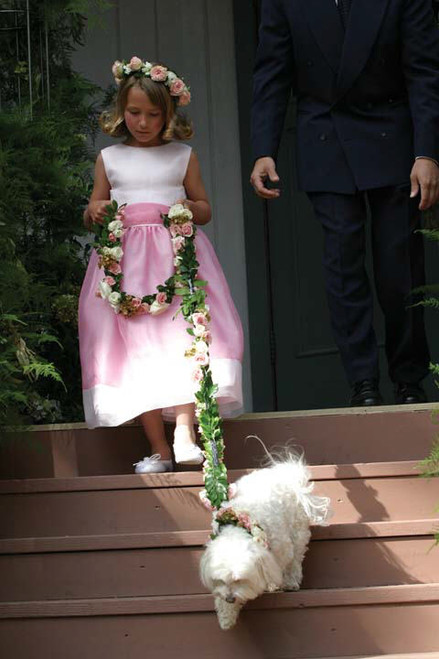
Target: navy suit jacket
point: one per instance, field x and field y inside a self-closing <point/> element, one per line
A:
<point x="367" y="98"/>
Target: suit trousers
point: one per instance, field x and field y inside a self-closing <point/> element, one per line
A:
<point x="398" y="266"/>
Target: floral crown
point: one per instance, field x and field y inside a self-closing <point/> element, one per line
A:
<point x="158" y="73"/>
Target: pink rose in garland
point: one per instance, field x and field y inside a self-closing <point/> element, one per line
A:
<point x="135" y="63"/>
<point x="185" y="98"/>
<point x="177" y="88"/>
<point x="201" y="359"/>
<point x="199" y="319"/>
<point x="187" y="229"/>
<point x="159" y="305"/>
<point x="115" y="269"/>
<point x="207" y="336"/>
<point x="177" y="243"/>
<point x="197" y="375"/>
<point x="159" y="73"/>
<point x="161" y="297"/>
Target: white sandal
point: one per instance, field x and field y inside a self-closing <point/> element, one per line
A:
<point x="152" y="465"/>
<point x="185" y="452"/>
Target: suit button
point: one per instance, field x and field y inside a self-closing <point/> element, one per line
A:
<point x="323" y="137"/>
<point x="383" y="134"/>
<point x="390" y="101"/>
<point x="369" y="106"/>
<point x="310" y="63"/>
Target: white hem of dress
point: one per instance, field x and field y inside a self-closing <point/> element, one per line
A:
<point x="106" y="405"/>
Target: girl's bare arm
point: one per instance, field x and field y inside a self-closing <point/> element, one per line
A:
<point x="197" y="200"/>
<point x="100" y="197"/>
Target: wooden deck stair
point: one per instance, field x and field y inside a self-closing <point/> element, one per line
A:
<point x="98" y="566"/>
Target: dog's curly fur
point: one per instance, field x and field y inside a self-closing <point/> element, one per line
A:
<point x="236" y="568"/>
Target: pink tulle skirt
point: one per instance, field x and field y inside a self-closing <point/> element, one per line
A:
<point x="133" y="365"/>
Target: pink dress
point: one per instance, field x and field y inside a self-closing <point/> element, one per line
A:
<point x="132" y="365"/>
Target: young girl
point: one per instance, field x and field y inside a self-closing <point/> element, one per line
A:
<point x="136" y="366"/>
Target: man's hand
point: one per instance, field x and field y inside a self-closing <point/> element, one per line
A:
<point x="265" y="168"/>
<point x="425" y="177"/>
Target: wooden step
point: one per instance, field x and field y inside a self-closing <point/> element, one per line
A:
<point x="77" y="512"/>
<point x="182" y="479"/>
<point x="303" y="599"/>
<point x="107" y="566"/>
<point x="323" y="623"/>
<point x="341" y="436"/>
<point x="56" y="544"/>
<point x="163" y="571"/>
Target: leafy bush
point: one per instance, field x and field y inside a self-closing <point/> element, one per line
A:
<point x="45" y="180"/>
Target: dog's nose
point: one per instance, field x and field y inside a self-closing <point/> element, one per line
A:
<point x="230" y="599"/>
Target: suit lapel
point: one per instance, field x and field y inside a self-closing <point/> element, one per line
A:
<point x="324" y="22"/>
<point x="365" y="18"/>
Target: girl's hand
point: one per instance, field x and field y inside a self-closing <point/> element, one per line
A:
<point x="194" y="188"/>
<point x="187" y="203"/>
<point x="95" y="212"/>
<point x="200" y="209"/>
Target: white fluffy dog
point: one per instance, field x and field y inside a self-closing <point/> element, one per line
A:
<point x="276" y="508"/>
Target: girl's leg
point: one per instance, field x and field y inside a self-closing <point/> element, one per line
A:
<point x="184" y="421"/>
<point x="152" y="423"/>
<point x="186" y="450"/>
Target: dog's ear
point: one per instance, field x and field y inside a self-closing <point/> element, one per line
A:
<point x="205" y="575"/>
<point x="269" y="570"/>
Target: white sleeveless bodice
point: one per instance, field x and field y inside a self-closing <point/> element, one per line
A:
<point x="147" y="174"/>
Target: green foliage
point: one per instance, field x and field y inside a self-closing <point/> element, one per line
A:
<point x="45" y="181"/>
<point x="430" y="302"/>
<point x="430" y="466"/>
<point x="21" y="368"/>
<point x="210" y="423"/>
<point x="431" y="234"/>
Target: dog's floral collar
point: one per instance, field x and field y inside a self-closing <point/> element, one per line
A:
<point x="158" y="73"/>
<point x="226" y="516"/>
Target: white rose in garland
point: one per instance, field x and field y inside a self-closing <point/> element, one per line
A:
<point x="176" y="210"/>
<point x="104" y="289"/>
<point x="116" y="252"/>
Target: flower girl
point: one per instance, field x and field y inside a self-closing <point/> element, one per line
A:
<point x="133" y="353"/>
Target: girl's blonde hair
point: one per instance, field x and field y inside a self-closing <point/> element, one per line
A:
<point x="176" y="125"/>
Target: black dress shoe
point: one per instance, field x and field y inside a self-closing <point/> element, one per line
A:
<point x="409" y="393"/>
<point x="366" y="394"/>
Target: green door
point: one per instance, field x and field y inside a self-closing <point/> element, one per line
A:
<point x="295" y="363"/>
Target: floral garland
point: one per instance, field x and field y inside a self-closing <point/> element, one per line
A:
<point x="226" y="516"/>
<point x="110" y="251"/>
<point x="158" y="73"/>
<point x="184" y="283"/>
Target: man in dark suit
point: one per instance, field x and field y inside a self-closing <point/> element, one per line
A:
<point x="366" y="77"/>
